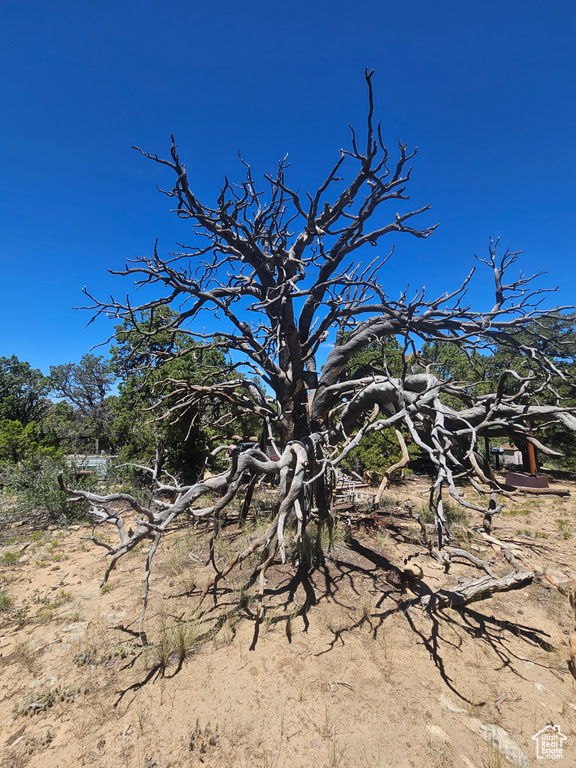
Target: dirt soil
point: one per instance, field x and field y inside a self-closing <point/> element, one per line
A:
<point x="339" y="667"/>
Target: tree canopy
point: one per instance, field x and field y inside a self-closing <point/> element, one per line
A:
<point x="87" y="386"/>
<point x="23" y="391"/>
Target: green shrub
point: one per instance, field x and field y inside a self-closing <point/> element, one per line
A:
<point x="38" y="494"/>
<point x="453" y="513"/>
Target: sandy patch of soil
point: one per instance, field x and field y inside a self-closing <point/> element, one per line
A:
<point x="342" y="669"/>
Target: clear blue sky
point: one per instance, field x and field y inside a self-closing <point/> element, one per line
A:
<point x="486" y="90"/>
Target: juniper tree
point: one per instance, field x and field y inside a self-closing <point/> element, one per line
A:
<point x="280" y="273"/>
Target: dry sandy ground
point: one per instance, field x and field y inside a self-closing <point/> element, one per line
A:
<point x="343" y="669"/>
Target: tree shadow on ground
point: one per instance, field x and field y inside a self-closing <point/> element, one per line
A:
<point x="340" y="577"/>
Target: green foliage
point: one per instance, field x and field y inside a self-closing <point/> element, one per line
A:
<point x="202" y="738"/>
<point x="149" y="388"/>
<point x="17" y="441"/>
<point x="559" y="344"/>
<point x="64" y="426"/>
<point x="449" y="362"/>
<point x="377" y="452"/>
<point x="85" y="386"/>
<point x="453" y="514"/>
<point x="564" y="528"/>
<point x="139" y="434"/>
<point x="553" y="337"/>
<point x="23" y="391"/>
<point x="383" y="357"/>
<point x="30" y="422"/>
<point x="35" y="483"/>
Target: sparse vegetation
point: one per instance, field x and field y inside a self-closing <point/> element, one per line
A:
<point x="45" y="698"/>
<point x="201" y="739"/>
<point x="50" y="605"/>
<point x="178" y="639"/>
<point x="532" y="534"/>
<point x="455" y="515"/>
<point x="319" y="654"/>
<point x="6" y="601"/>
<point x="564" y="528"/>
<point x="512" y="512"/>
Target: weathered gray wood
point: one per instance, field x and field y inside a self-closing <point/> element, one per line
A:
<point x="472" y="591"/>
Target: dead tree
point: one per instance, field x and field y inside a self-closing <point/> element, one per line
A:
<point x="278" y="274"/>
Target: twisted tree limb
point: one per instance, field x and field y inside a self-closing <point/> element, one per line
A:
<point x="472" y="591"/>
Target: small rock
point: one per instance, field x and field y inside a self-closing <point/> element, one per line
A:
<point x="501" y="741"/>
<point x="76" y="630"/>
<point x="73" y="527"/>
<point x="437" y="734"/>
<point x="558" y="580"/>
<point x="538" y="688"/>
<point x="113" y="617"/>
<point x="42" y="682"/>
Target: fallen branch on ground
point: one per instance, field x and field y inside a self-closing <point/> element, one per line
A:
<point x="472" y="591"/>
